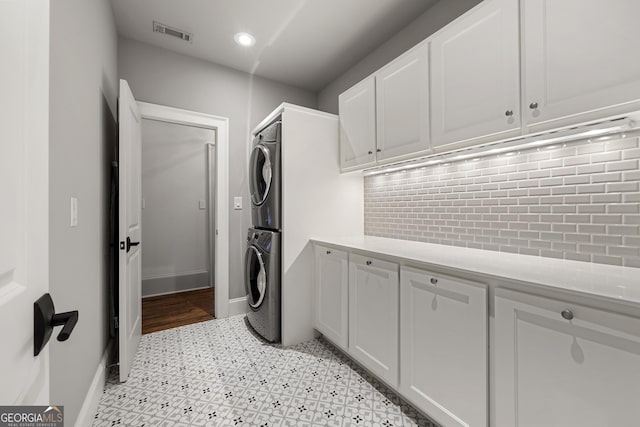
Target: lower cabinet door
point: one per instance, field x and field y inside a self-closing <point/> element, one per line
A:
<point x="373" y="315"/>
<point x="560" y="364"/>
<point x="332" y="287"/>
<point x="444" y="347"/>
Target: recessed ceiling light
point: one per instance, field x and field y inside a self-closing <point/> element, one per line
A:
<point x="244" y="39"/>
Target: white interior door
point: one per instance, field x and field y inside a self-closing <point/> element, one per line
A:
<point x="24" y="190"/>
<point x="130" y="197"/>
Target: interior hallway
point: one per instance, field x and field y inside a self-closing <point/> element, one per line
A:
<point x="179" y="309"/>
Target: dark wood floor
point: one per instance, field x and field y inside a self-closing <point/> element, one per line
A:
<point x="170" y="311"/>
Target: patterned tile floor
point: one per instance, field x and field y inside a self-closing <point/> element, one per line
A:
<point x="219" y="373"/>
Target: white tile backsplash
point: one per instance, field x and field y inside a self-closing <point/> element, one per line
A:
<point x="578" y="201"/>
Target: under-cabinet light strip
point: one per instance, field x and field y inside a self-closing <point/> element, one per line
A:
<point x="523" y="143"/>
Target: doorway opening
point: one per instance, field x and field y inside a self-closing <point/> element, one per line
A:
<point x="184" y="217"/>
<point x="178" y="181"/>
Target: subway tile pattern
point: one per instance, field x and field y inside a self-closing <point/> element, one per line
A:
<point x="578" y="201"/>
<point x="218" y="373"/>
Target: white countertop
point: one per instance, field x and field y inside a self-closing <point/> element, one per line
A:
<point x="621" y="284"/>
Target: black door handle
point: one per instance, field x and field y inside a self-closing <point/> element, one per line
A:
<point x="130" y="244"/>
<point x="45" y="318"/>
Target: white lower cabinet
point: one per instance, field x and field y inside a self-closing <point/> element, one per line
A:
<point x="443" y="336"/>
<point x="332" y="288"/>
<point x="564" y="365"/>
<point x="373" y="315"/>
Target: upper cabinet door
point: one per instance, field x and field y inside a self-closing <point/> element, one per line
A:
<point x="402" y="105"/>
<point x="358" y="125"/>
<point x="475" y="75"/>
<point x="580" y="56"/>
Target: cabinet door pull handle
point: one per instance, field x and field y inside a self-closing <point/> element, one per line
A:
<point x="368" y="262"/>
<point x="328" y="252"/>
<point x="567" y="314"/>
<point x="508" y="113"/>
<point x="379" y="150"/>
<point x="533" y="106"/>
<point x="370" y="152"/>
<point x="433" y="280"/>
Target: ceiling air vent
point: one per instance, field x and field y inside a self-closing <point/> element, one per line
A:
<point x="170" y="31"/>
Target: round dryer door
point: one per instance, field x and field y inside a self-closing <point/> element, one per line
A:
<point x="255" y="277"/>
<point x="260" y="174"/>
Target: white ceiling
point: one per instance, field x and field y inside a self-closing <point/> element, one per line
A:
<point x="304" y="43"/>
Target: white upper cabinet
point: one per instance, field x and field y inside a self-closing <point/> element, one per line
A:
<point x="358" y="125"/>
<point x="402" y="105"/>
<point x="332" y="290"/>
<point x="580" y="57"/>
<point x="373" y="315"/>
<point x="475" y="85"/>
<point x="444" y="347"/>
<point x="561" y="364"/>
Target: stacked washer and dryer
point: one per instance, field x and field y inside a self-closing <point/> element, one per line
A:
<point x="297" y="193"/>
<point x="263" y="254"/>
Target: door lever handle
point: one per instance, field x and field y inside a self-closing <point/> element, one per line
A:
<point x="130" y="243"/>
<point x="68" y="321"/>
<point x="45" y="318"/>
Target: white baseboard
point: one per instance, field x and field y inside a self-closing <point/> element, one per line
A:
<point x="238" y="306"/>
<point x="90" y="404"/>
<point x="175" y="292"/>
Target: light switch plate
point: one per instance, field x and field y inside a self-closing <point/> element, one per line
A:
<point x="202" y="204"/>
<point x="73" y="212"/>
<point x="237" y="203"/>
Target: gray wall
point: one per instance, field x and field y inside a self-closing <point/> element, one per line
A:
<point x="436" y="17"/>
<point x="163" y="77"/>
<point x="174" y="226"/>
<point x="82" y="131"/>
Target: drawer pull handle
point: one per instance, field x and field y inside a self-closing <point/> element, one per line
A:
<point x="508" y="113"/>
<point x="328" y="252"/>
<point x="567" y="314"/>
<point x="533" y="106"/>
<point x="368" y="262"/>
<point x="433" y="280"/>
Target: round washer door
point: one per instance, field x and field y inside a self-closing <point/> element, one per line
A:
<point x="256" y="277"/>
<point x="260" y="174"/>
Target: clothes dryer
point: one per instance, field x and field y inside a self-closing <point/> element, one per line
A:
<point x="265" y="177"/>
